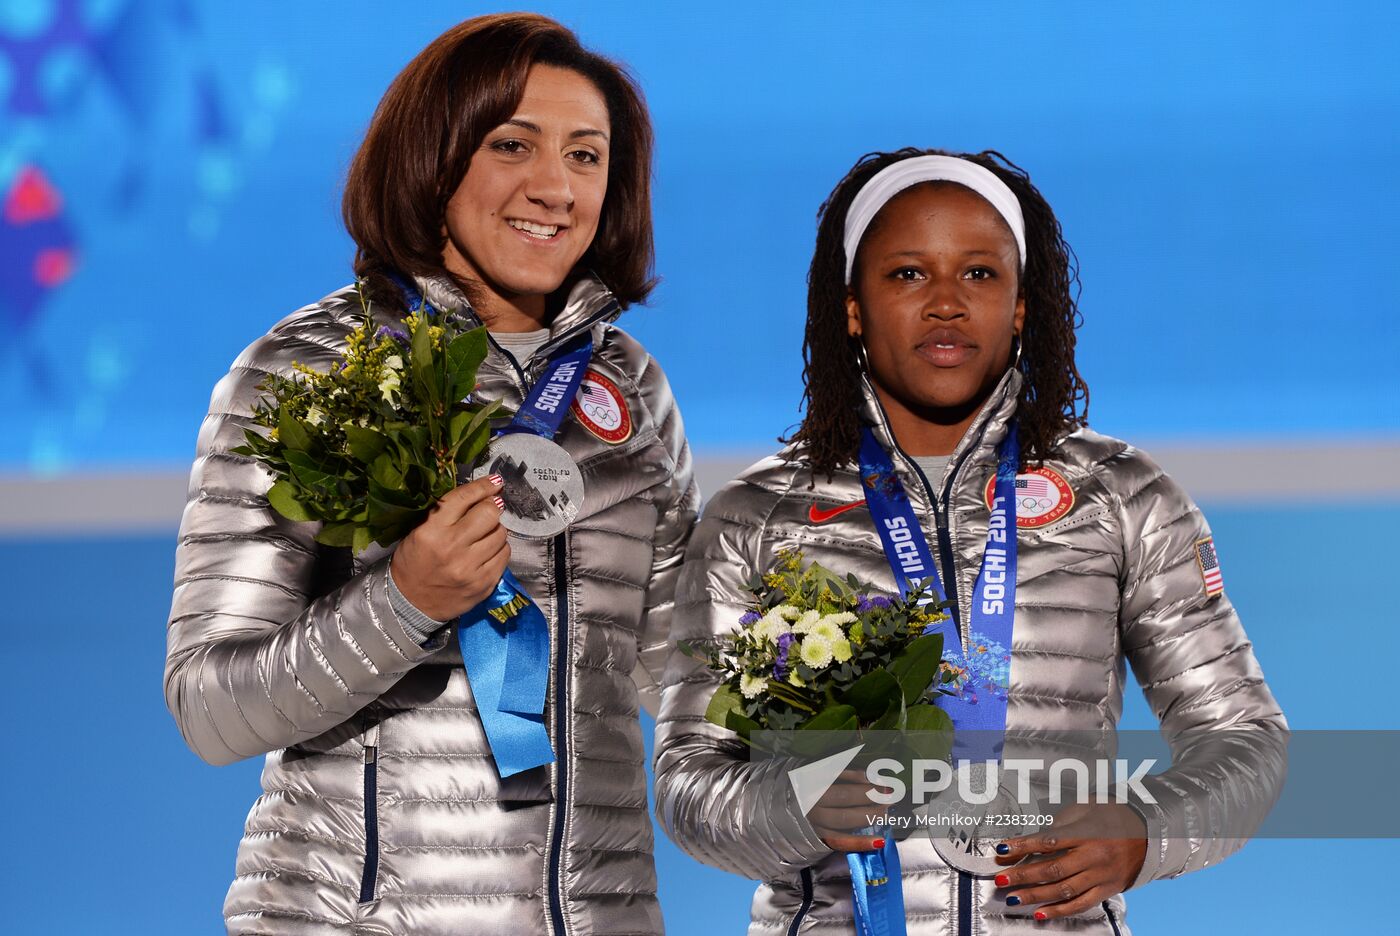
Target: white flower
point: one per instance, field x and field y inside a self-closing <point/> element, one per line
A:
<point x="775" y="623"/>
<point x="841" y="650"/>
<point x="751" y="686"/>
<point x="393" y="362"/>
<point x="830" y="627"/>
<point x="816" y="651"/>
<point x="389" y="387"/>
<point x="315" y="416"/>
<point x="806" y="622"/>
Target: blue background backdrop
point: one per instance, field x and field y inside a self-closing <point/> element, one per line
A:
<point x="170" y="172"/>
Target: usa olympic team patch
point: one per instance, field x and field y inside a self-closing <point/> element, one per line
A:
<point x="602" y="409"/>
<point x="1042" y="497"/>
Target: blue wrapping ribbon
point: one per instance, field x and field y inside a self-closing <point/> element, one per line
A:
<point x="506" y="654"/>
<point x="979" y="718"/>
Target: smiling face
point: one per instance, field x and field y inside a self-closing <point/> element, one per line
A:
<point x="935" y="301"/>
<point x="528" y="207"/>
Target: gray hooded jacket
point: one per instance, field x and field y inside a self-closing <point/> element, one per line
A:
<point x="381" y="811"/>
<point x="1115" y="579"/>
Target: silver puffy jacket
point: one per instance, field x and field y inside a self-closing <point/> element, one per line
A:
<point x="1115" y="579"/>
<point x="381" y="811"/>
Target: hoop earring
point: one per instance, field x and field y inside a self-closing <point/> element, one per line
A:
<point x="858" y="348"/>
<point x="1016" y="361"/>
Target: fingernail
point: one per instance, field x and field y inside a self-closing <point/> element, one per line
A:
<point x="1013" y="901"/>
<point x="1003" y="848"/>
<point x="1003" y="880"/>
<point x="1040" y="915"/>
<point x="497" y="480"/>
<point x="879" y="843"/>
<point x="499" y="503"/>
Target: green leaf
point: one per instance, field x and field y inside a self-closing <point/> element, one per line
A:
<point x="724" y="701"/>
<point x="311" y="473"/>
<point x="928" y="732"/>
<point x="365" y="444"/>
<point x="473" y="447"/>
<point x="360" y="540"/>
<point x="337" y="534"/>
<point x="282" y="497"/>
<point x="916" y="665"/>
<point x="292" y="433"/>
<point x="740" y="724"/>
<point x="873" y="695"/>
<point x="464" y="355"/>
<point x="416" y="446"/>
<point x="386" y="473"/>
<point x="381" y="513"/>
<point x="833" y="718"/>
<point x="893" y="719"/>
<point x="421" y="345"/>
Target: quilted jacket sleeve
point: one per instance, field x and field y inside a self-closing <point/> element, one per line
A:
<point x="254" y="661"/>
<point x="717" y="805"/>
<point x="1197" y="668"/>
<point x="676" y="519"/>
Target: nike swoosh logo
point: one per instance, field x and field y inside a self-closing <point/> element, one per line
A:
<point x="817" y="515"/>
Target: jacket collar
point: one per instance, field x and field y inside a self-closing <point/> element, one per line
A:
<point x="979" y="442"/>
<point x="589" y="303"/>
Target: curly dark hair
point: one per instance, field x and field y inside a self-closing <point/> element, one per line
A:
<point x="1053" y="390"/>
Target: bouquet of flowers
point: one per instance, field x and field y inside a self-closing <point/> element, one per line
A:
<point x="370" y="446"/>
<point x="818" y="652"/>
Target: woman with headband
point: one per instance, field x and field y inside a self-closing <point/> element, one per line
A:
<point x="942" y="394"/>
<point x="505" y="177"/>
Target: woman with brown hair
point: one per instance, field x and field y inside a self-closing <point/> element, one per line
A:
<point x="505" y="177"/>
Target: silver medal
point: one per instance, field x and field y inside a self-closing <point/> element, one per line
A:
<point x="966" y="834"/>
<point x="543" y="488"/>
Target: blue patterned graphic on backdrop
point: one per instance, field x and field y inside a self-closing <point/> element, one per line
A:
<point x="89" y="91"/>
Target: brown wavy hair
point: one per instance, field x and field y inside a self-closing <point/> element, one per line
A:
<point x="1054" y="398"/>
<point x="436" y="114"/>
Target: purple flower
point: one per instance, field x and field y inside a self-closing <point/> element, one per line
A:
<point x="780" y="666"/>
<point x="869" y="604"/>
<point x="399" y="336"/>
<point x="750" y="617"/>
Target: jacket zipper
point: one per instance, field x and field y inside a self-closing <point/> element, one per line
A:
<point x="948" y="570"/>
<point x="371" y="872"/>
<point x="1112" y="920"/>
<point x="562" y="723"/>
<point x="807" y="891"/>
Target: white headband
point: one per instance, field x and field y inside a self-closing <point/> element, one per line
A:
<point x="893" y="179"/>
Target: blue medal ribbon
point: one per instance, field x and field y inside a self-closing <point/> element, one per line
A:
<point x="550" y="398"/>
<point x="877" y="891"/>
<point x="505" y="639"/>
<point x="977" y="706"/>
<point x="506" y="654"/>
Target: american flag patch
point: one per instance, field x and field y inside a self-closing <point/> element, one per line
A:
<point x="1210" y="566"/>
<point x="1035" y="486"/>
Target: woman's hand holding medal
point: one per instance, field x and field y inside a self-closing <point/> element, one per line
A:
<point x="1092" y="852"/>
<point x="452" y="561"/>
